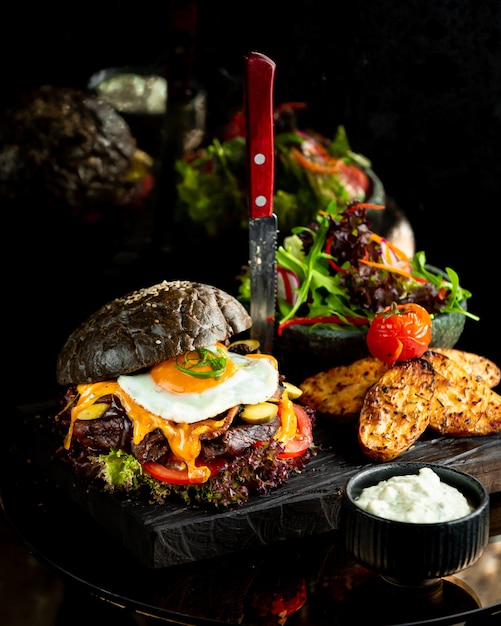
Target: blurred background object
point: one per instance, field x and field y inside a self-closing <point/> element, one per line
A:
<point x="131" y="90"/>
<point x="74" y="151"/>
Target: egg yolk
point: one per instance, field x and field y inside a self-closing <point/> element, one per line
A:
<point x="167" y="374"/>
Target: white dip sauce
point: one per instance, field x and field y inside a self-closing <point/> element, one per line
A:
<point x="417" y="498"/>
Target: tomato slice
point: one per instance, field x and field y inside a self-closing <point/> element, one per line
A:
<point x="303" y="437"/>
<point x="180" y="477"/>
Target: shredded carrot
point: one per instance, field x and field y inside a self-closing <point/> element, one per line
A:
<point x="331" y="168"/>
<point x="400" y="253"/>
<point x="390" y="268"/>
<point x="365" y="205"/>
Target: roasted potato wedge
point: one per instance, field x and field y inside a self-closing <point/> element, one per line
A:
<point x="339" y="392"/>
<point x="479" y="366"/>
<point x="396" y="410"/>
<point x="462" y="404"/>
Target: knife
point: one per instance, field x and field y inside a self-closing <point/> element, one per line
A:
<point x="259" y="73"/>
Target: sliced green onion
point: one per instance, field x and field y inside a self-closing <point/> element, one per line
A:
<point x="205" y="358"/>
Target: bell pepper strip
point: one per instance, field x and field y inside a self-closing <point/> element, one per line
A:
<point x="323" y="319"/>
<point x="332" y="263"/>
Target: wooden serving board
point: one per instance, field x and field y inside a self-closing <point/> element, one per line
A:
<point x="172" y="534"/>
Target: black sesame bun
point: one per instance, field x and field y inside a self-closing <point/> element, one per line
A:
<point x="147" y="326"/>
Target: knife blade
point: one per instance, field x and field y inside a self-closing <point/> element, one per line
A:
<point x="259" y="73"/>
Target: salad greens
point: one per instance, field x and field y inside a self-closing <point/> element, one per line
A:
<point x="338" y="273"/>
<point x="311" y="172"/>
<point x="210" y="191"/>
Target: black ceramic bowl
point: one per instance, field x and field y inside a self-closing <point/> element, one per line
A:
<point x="408" y="553"/>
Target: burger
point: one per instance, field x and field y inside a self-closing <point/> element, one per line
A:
<point x="165" y="398"/>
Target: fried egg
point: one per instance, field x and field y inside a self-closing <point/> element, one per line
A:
<point x="175" y="395"/>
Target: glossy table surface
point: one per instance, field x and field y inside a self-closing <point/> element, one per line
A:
<point x="309" y="581"/>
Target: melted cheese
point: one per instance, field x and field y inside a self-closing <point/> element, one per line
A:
<point x="288" y="419"/>
<point x="184" y="439"/>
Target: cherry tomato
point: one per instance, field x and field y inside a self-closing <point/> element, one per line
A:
<point x="399" y="332"/>
<point x="176" y="476"/>
<point x="303" y="437"/>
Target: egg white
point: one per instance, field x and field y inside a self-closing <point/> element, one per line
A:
<point x="255" y="380"/>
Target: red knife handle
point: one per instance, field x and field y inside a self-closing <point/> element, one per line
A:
<point x="259" y="73"/>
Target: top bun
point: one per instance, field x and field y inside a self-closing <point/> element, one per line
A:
<point x="147" y="326"/>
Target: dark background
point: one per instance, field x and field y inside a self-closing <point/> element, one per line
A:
<point x="417" y="84"/>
